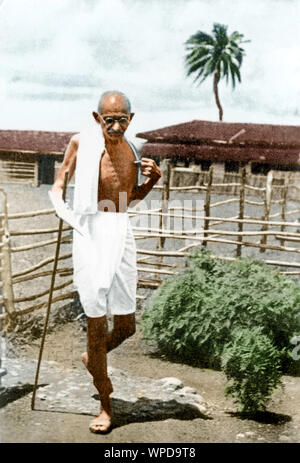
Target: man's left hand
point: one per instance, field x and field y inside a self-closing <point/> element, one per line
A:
<point x="150" y="169"/>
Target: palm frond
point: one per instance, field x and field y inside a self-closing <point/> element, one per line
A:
<point x="200" y="38"/>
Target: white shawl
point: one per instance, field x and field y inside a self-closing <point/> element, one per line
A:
<point x="91" y="147"/>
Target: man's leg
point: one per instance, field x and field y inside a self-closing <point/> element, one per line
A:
<point x="124" y="327"/>
<point x="95" y="361"/>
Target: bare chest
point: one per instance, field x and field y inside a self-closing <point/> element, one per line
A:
<point x="117" y="171"/>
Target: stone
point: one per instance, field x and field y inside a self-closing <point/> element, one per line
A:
<point x="171" y="383"/>
<point x="250" y="433"/>
<point x="240" y="436"/>
<point x="284" y="438"/>
<point x="188" y="390"/>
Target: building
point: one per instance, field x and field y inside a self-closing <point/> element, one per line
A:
<point x="29" y="156"/>
<point x="259" y="147"/>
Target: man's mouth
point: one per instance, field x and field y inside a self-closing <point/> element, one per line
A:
<point x="115" y="132"/>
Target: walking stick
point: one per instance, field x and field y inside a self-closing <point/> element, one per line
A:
<point x="50" y="296"/>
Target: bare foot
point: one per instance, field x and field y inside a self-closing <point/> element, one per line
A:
<point x="102" y="422"/>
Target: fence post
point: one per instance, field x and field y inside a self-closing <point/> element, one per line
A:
<point x="241" y="212"/>
<point x="268" y="197"/>
<point x="166" y="174"/>
<point x="207" y="205"/>
<point x="283" y="208"/>
<point x="6" y="273"/>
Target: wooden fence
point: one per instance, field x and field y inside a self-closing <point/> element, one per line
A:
<point x="161" y="248"/>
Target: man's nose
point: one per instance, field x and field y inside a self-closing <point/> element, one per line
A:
<point x="116" y="126"/>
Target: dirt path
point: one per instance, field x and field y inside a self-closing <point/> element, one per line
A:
<point x="65" y="345"/>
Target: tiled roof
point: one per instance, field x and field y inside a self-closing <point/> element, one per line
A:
<point x="42" y="142"/>
<point x="236" y="133"/>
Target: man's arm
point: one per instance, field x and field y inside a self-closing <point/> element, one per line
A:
<point x="68" y="165"/>
<point x="150" y="170"/>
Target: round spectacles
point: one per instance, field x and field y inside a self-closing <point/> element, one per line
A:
<point x="108" y="120"/>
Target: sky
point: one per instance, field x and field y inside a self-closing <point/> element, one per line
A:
<point x="58" y="56"/>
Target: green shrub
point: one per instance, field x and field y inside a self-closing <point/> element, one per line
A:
<point x="252" y="365"/>
<point x="194" y="315"/>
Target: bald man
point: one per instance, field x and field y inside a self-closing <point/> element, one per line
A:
<point x="105" y="256"/>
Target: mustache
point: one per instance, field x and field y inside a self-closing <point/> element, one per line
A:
<point x="115" y="131"/>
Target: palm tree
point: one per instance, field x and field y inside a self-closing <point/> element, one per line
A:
<point x="217" y="54"/>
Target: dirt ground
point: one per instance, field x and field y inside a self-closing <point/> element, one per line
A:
<point x="66" y="343"/>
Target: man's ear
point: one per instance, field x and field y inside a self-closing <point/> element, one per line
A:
<point x="96" y="117"/>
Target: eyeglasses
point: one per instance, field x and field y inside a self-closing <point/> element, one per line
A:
<point x="108" y="120"/>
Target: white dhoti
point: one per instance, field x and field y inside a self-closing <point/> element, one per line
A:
<point x="104" y="262"/>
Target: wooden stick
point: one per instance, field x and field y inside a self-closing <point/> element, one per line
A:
<point x="207" y="203"/>
<point x="247" y="219"/>
<point x="60" y="229"/>
<point x="241" y="211"/>
<point x="42" y="305"/>
<point x="186" y="233"/>
<point x="283" y="208"/>
<point x="24" y="215"/>
<point x="38" y="232"/>
<point x="164" y="200"/>
<point x="6" y="273"/>
<point x="39" y="244"/>
<point x="37" y="295"/>
<point x="42" y="274"/>
<point x="42" y="263"/>
<point x="268" y="197"/>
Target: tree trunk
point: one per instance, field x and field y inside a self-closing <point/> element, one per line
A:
<point x="216" y="75"/>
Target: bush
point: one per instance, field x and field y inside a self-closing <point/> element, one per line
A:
<point x="252" y="364"/>
<point x="194" y="315"/>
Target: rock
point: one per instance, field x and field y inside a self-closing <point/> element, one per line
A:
<point x="201" y="408"/>
<point x="171" y="383"/>
<point x="250" y="433"/>
<point x="284" y="438"/>
<point x="188" y="390"/>
<point x="240" y="436"/>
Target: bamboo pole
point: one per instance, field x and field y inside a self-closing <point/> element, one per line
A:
<point x="207" y="205"/>
<point x="269" y="262"/>
<point x="42" y="263"/>
<point x="241" y="211"/>
<point x="268" y="197"/>
<point x="43" y="293"/>
<point x="254" y="203"/>
<point x="41" y="244"/>
<point x="42" y="274"/>
<point x="23" y="215"/>
<point x="283" y="239"/>
<point x="60" y="229"/>
<point x="247" y="219"/>
<point x="187" y="233"/>
<point x="6" y="273"/>
<point x="42" y="305"/>
<point x="166" y="172"/>
<point x="283" y="208"/>
<point x="38" y="232"/>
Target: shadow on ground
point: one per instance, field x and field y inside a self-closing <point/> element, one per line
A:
<point x="264" y="417"/>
